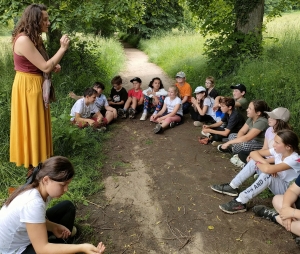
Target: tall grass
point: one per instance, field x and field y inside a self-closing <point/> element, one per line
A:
<point x="274" y="77"/>
<point x="88" y="60"/>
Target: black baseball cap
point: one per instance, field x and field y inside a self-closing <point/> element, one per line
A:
<point x="240" y="87"/>
<point x="136" y="79"/>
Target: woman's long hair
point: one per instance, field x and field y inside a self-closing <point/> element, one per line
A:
<point x="57" y="168"/>
<point x="31" y="24"/>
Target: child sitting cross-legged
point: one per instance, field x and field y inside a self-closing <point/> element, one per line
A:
<point x="234" y="121"/>
<point x="275" y="173"/>
<point x="171" y="112"/>
<point x="135" y="100"/>
<point x="81" y="112"/>
<point x="154" y="97"/>
<point x="101" y="102"/>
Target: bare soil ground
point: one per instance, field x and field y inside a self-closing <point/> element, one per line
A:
<point x="157" y="196"/>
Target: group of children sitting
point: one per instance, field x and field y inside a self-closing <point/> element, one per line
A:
<point x="261" y="141"/>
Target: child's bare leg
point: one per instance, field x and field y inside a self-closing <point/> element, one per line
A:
<point x="128" y="102"/>
<point x="295" y="224"/>
<point x="134" y="102"/>
<point x="109" y="116"/>
<point x="168" y="120"/>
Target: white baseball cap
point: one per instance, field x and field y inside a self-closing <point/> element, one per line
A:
<point x="199" y="89"/>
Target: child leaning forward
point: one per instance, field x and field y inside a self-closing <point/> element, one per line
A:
<point x="171" y="113"/>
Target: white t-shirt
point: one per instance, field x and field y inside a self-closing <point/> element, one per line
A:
<point x="161" y="92"/>
<point x="81" y="108"/>
<point x="292" y="161"/>
<point x="270" y="135"/>
<point x="172" y="103"/>
<point x="101" y="101"/>
<point x="28" y="207"/>
<point x="209" y="102"/>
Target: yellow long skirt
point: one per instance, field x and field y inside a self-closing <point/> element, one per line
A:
<point x="30" y="128"/>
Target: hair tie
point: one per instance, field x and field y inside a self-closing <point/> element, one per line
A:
<point x="30" y="179"/>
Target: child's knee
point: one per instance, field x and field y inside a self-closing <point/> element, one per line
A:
<point x="277" y="202"/>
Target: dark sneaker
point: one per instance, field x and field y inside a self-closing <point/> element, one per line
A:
<point x="233" y="206"/>
<point x="120" y="112"/>
<point x="158" y="128"/>
<point x="225" y="188"/>
<point x="131" y="113"/>
<point x="172" y="124"/>
<point x="264" y="212"/>
<point x="227" y="150"/>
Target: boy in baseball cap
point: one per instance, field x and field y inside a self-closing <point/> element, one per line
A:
<point x="185" y="91"/>
<point x="241" y="103"/>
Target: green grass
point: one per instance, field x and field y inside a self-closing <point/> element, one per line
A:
<point x="273" y="77"/>
<point x="93" y="59"/>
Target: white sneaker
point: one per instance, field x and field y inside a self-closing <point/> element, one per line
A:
<point x="198" y="124"/>
<point x="143" y="117"/>
<point x="235" y="160"/>
<point x="205" y="134"/>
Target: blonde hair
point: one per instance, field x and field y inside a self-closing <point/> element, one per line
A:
<point x="175" y="89"/>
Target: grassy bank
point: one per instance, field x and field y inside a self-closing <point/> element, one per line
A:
<point x="274" y="77"/>
<point x="85" y="62"/>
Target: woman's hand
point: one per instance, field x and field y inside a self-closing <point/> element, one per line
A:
<point x="61" y="231"/>
<point x="64" y="42"/>
<point x="57" y="68"/>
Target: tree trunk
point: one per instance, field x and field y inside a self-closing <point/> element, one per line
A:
<point x="252" y="21"/>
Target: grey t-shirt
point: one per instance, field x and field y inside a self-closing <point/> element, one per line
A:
<point x="243" y="108"/>
<point x="261" y="124"/>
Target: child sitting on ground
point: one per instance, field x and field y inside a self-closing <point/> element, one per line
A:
<point x="202" y="107"/>
<point x="134" y="103"/>
<point x="118" y="94"/>
<point x="286" y="211"/>
<point x="83" y="108"/>
<point x="210" y="87"/>
<point x="276" y="177"/>
<point x="251" y="136"/>
<point x="233" y="119"/>
<point x="154" y="97"/>
<point x="185" y="91"/>
<point x="278" y="120"/>
<point x="101" y="102"/>
<point x="241" y="103"/>
<point x="171" y="112"/>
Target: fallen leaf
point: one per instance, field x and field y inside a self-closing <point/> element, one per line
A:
<point x="211" y="227"/>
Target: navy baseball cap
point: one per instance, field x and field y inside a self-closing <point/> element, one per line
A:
<point x="240" y="87"/>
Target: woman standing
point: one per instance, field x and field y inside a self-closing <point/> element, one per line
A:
<point x="30" y="131"/>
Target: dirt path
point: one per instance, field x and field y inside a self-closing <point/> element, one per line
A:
<point x="157" y="197"/>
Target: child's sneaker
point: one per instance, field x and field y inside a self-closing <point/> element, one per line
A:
<point x="264" y="212"/>
<point x="235" y="160"/>
<point x="158" y="128"/>
<point x="120" y="112"/>
<point x="227" y="150"/>
<point x="172" y="124"/>
<point x="198" y="124"/>
<point x="143" y="117"/>
<point x="233" y="206"/>
<point x="205" y="134"/>
<point x="225" y="188"/>
<point x="216" y="143"/>
<point x="131" y="113"/>
<point x="102" y="129"/>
